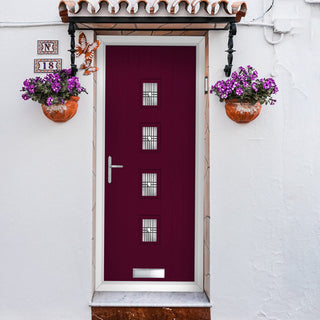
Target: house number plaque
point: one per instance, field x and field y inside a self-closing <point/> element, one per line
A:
<point x="47" y="46"/>
<point x="47" y="65"/>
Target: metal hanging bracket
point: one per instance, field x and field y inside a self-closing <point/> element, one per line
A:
<point x="75" y="23"/>
<point x="232" y="32"/>
<point x="71" y="30"/>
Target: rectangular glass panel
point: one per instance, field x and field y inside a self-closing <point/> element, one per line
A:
<point x="149" y="184"/>
<point x="149" y="138"/>
<point x="149" y="230"/>
<point x="150" y="94"/>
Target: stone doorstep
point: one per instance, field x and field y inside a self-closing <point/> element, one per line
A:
<point x="150" y="313"/>
<point x="150" y="299"/>
<point x="124" y="305"/>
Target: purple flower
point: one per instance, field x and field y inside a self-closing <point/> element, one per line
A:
<point x="217" y="85"/>
<point x="31" y="88"/>
<point x="266" y="85"/>
<point x="239" y="91"/>
<point x="271" y="82"/>
<point x="52" y="78"/>
<point x="243" y="77"/>
<point x="229" y="83"/>
<point x="254" y="75"/>
<point x="73" y="82"/>
<point x="70" y="84"/>
<point x="26" y="82"/>
<point x="25" y="96"/>
<point x="49" y="101"/>
<point x="48" y="90"/>
<point x="56" y="87"/>
<point x="254" y="87"/>
<point x="243" y="83"/>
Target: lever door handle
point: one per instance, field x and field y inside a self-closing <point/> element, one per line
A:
<point x="112" y="166"/>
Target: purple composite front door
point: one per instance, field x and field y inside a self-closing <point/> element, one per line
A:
<point x="150" y="163"/>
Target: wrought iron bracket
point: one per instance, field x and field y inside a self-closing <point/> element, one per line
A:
<point x="232" y="32"/>
<point x="71" y="31"/>
<point x="230" y="21"/>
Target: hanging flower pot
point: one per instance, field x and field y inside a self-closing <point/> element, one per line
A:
<point x="242" y="112"/>
<point x="244" y="93"/>
<point x="61" y="112"/>
<point x="57" y="93"/>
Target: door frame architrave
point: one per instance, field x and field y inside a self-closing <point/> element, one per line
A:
<point x="197" y="284"/>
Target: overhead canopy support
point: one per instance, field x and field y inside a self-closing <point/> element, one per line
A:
<point x="232" y="32"/>
<point x="152" y="23"/>
<point x="71" y="31"/>
<point x="182" y="17"/>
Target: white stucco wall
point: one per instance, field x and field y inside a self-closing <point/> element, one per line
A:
<point x="265" y="179"/>
<point x="265" y="232"/>
<point x="46" y="183"/>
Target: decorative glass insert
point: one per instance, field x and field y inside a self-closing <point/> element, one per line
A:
<point x="149" y="230"/>
<point x="149" y="184"/>
<point x="150" y="94"/>
<point x="149" y="138"/>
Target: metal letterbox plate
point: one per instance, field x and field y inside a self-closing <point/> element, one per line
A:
<point x="148" y="273"/>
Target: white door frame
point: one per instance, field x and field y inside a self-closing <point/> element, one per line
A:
<point x="100" y="284"/>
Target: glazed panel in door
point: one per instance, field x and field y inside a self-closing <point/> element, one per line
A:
<point x="150" y="131"/>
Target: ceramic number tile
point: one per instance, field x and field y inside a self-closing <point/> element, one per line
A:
<point x="47" y="65"/>
<point x="47" y="46"/>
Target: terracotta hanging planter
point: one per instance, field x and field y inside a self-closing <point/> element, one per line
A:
<point x="61" y="112"/>
<point x="57" y="93"/>
<point x="245" y="85"/>
<point x="242" y="112"/>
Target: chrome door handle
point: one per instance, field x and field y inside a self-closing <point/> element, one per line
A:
<point x="110" y="167"/>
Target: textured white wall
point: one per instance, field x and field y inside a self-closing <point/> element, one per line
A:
<point x="265" y="177"/>
<point x="45" y="197"/>
<point x="264" y="180"/>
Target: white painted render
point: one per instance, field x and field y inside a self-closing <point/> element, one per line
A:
<point x="265" y="177"/>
